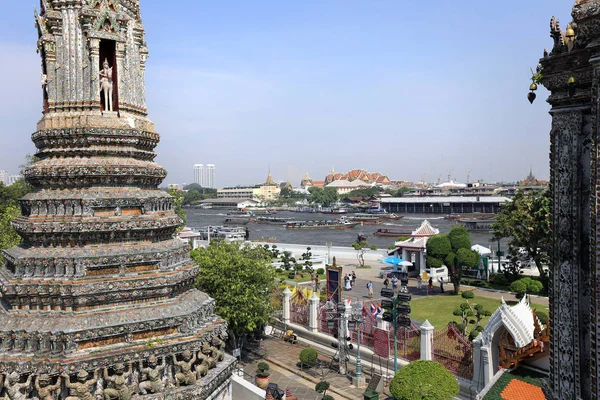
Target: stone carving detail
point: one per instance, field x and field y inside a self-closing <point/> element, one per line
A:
<point x="117" y="383"/>
<point x="44" y="387"/>
<point x="14" y="389"/>
<point x="82" y="388"/>
<point x="106" y="82"/>
<point x="186" y="376"/>
<point x="152" y="381"/>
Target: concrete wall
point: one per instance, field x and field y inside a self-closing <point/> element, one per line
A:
<point x="242" y="389"/>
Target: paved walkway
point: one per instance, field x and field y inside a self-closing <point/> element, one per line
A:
<point x="284" y="358"/>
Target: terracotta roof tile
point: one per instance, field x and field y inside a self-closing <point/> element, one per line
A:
<point x="519" y="390"/>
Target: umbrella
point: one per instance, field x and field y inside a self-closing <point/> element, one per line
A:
<point x="483" y="251"/>
<point x="405" y="264"/>
<point x="391" y="260"/>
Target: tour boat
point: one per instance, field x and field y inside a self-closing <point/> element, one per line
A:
<point x="336" y="211"/>
<point x="327" y="224"/>
<point x="394" y="232"/>
<point x="387" y="215"/>
<point x="366" y="219"/>
<point x="272" y="220"/>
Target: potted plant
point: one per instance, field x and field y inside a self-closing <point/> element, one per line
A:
<point x="262" y="375"/>
<point x="322" y="387"/>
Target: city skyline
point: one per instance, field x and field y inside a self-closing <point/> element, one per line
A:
<point x="307" y="85"/>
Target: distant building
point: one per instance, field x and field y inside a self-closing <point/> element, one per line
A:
<point x="345" y="186"/>
<point x="531" y="180"/>
<point x="13" y="178"/>
<point x="210" y="176"/>
<point x="4" y="177"/>
<point x="371" y="178"/>
<point x="306" y="182"/>
<point x="199" y="174"/>
<point x="265" y="192"/>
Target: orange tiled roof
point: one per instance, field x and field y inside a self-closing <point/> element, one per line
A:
<point x="519" y="390"/>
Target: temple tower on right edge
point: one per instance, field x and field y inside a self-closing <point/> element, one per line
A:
<point x="571" y="72"/>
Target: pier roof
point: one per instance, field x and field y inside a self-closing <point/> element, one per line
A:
<point x="446" y="199"/>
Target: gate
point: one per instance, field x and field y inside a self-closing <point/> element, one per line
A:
<point x="299" y="314"/>
<point x="325" y="315"/>
<point x="408" y="342"/>
<point x="453" y="351"/>
<point x="367" y="328"/>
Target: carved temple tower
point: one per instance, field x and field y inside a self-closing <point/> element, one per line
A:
<point x="571" y="72"/>
<point x="99" y="280"/>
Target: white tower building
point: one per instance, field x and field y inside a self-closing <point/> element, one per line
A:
<point x="199" y="174"/>
<point x="210" y="176"/>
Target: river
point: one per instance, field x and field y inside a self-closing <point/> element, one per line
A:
<point x="197" y="218"/>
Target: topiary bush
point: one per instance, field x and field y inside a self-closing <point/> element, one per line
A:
<point x="262" y="370"/>
<point x="424" y="380"/>
<point x="320" y="271"/>
<point x="526" y="285"/>
<point x="468" y="295"/>
<point x="308" y="357"/>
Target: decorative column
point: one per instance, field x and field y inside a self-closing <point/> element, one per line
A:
<point x="287" y="298"/>
<point x="427" y="341"/>
<point x="313" y="313"/>
<point x="381" y="324"/>
<point x="478" y="382"/>
<point x="94" y="47"/>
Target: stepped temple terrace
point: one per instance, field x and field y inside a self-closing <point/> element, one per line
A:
<point x="98" y="233"/>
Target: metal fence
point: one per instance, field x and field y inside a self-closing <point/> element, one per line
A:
<point x="325" y="315"/>
<point x="408" y="342"/>
<point x="453" y="351"/>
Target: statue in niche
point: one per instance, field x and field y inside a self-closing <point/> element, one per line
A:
<point x="16" y="390"/>
<point x="186" y="377"/>
<point x="44" y="387"/>
<point x="106" y="85"/>
<point x="80" y="390"/>
<point x="152" y="383"/>
<point x="119" y="389"/>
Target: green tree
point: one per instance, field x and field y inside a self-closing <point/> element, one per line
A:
<point x="326" y="196"/>
<point x="177" y="206"/>
<point x="361" y="248"/>
<point x="526" y="285"/>
<point x="454" y="251"/>
<point x="286" y="192"/>
<point x="526" y="222"/>
<point x="365" y="193"/>
<point x="240" y="279"/>
<point x="8" y="236"/>
<point x="424" y="380"/>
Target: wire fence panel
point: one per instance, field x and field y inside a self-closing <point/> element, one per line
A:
<point x="453" y="351"/>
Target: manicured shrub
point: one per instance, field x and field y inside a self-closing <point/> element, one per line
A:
<point x="424" y="380"/>
<point x="468" y="294"/>
<point x="320" y="271"/>
<point x="526" y="285"/>
<point x="499" y="279"/>
<point x="291" y="275"/>
<point x="262" y="370"/>
<point x="308" y="357"/>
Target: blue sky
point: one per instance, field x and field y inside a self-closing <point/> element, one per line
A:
<point x="412" y="89"/>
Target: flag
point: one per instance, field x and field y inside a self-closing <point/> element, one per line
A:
<point x="373" y="310"/>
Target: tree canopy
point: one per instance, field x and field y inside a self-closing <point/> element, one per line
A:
<point x="452" y="249"/>
<point x="11" y="209"/>
<point x="326" y="196"/>
<point x="526" y="222"/>
<point x="240" y="279"/>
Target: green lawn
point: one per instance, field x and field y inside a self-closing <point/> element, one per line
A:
<point x="438" y="309"/>
<point x="305" y="278"/>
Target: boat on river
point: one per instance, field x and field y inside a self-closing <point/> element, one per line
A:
<point x="341" y="223"/>
<point x="371" y="219"/>
<point x="240" y="214"/>
<point x="335" y="211"/>
<point x="387" y="215"/>
<point x="394" y="232"/>
<point x="272" y="220"/>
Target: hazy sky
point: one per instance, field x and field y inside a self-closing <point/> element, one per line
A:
<point x="408" y="88"/>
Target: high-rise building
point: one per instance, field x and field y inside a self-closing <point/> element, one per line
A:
<point x="210" y="176"/>
<point x="4" y="177"/>
<point x="99" y="285"/>
<point x="199" y="174"/>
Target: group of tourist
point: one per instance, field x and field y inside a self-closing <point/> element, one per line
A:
<point x="394" y="281"/>
<point x="349" y="281"/>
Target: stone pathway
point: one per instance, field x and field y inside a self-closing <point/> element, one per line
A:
<point x="283" y="358"/>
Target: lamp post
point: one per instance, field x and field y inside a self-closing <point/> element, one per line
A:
<point x="328" y="244"/>
<point x="357" y="320"/>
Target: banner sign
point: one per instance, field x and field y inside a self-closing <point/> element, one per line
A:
<point x="334" y="283"/>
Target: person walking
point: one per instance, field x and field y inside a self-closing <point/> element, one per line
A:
<point x="370" y="288"/>
<point x="318" y="285"/>
<point x="386" y="282"/>
<point x="353" y="278"/>
<point x="347" y="282"/>
<point x="419" y="281"/>
<point x="441" y="284"/>
<point x="394" y="282"/>
<point x="430" y="286"/>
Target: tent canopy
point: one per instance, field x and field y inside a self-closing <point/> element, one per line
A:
<point x="483" y="251"/>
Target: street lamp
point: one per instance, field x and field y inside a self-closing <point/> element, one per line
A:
<point x="328" y="244"/>
<point x="357" y="319"/>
